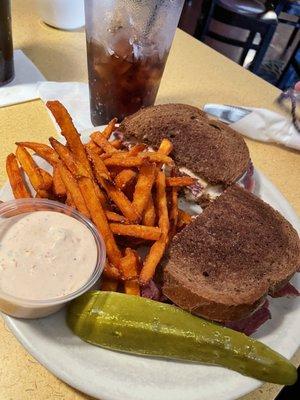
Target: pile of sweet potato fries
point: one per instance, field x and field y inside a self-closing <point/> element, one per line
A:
<point x="124" y="192"/>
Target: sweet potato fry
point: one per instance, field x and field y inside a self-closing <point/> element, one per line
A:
<point x="183" y="219"/>
<point x="180" y="181"/>
<point x="117" y="144"/>
<point x="69" y="131"/>
<point x="109" y="285"/>
<point x="111" y="272"/>
<point x="129" y="268"/>
<point x="143" y="187"/>
<point x="43" y="194"/>
<point x="76" y="168"/>
<point x="109" y="128"/>
<point x="42" y="150"/>
<point x="100" y="140"/>
<point x="161" y="201"/>
<point x="91" y="146"/>
<point x="114" y="217"/>
<point x="48" y="180"/>
<point x="138" y="260"/>
<point x="152" y="259"/>
<point x="101" y="196"/>
<point x="69" y="201"/>
<point x="17" y="184"/>
<point x="59" y="188"/>
<point x="158" y="248"/>
<point x="99" y="218"/>
<point x="123" y="160"/>
<point x="124" y="177"/>
<point x="73" y="190"/>
<point x="100" y="169"/>
<point x="157" y="157"/>
<point x="129" y="265"/>
<point x="31" y="168"/>
<point x="121" y="201"/>
<point x="104" y="156"/>
<point x="149" y="216"/>
<point x="132" y="287"/>
<point x="165" y="147"/>
<point x="136" y="149"/>
<point x="137" y="231"/>
<point x="173" y="211"/>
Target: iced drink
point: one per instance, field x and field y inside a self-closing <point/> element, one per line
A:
<point x="121" y="84"/>
<point x="127" y="53"/>
<point x="6" y="46"/>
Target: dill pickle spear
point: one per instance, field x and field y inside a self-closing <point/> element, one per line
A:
<point x="141" y="326"/>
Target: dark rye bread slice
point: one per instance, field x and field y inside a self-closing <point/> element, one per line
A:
<point x="208" y="148"/>
<point x="225" y="262"/>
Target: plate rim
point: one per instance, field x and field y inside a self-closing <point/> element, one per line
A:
<point x="59" y="372"/>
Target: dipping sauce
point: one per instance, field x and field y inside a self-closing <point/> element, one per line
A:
<point x="45" y="255"/>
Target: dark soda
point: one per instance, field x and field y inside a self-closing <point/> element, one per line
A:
<point x="6" y="47"/>
<point x="122" y="81"/>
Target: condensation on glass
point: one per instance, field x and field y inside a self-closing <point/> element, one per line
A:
<point x="6" y="45"/>
<point x="128" y="42"/>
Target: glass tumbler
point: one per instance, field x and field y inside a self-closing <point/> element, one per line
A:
<point x="128" y="43"/>
<point x="6" y="45"/>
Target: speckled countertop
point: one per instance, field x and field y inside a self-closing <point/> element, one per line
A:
<point x="196" y="75"/>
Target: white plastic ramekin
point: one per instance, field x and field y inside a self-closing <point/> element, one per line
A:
<point x="26" y="308"/>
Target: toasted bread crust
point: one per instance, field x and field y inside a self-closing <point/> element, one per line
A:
<point x="237" y="251"/>
<point x="209" y="148"/>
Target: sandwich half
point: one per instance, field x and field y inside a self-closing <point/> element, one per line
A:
<point x="205" y="149"/>
<point x="224" y="264"/>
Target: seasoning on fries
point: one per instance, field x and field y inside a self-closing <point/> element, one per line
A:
<point x="99" y="218"/>
<point x="117" y="143"/>
<point x="111" y="272"/>
<point x="100" y="140"/>
<point x="16" y="181"/>
<point x="73" y="189"/>
<point x="180" y="181"/>
<point x="68" y="158"/>
<point x="69" y="131"/>
<point x="126" y="192"/>
<point x="173" y="211"/>
<point x="158" y="248"/>
<point x="30" y="168"/>
<point x="48" y="180"/>
<point x="121" y="201"/>
<point x="143" y="187"/>
<point x="165" y="147"/>
<point x="41" y="150"/>
<point x="59" y="188"/>
<point x="136" y="231"/>
<point x="124" y="177"/>
<point x="149" y="214"/>
<point x="183" y="219"/>
<point x="136" y="149"/>
<point x="129" y="267"/>
<point x="110" y="128"/>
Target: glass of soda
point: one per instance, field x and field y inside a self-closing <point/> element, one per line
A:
<point x="128" y="43"/>
<point x="6" y="45"/>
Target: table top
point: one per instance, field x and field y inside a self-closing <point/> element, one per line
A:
<point x="195" y="74"/>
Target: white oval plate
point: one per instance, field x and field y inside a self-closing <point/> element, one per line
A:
<point x="109" y="375"/>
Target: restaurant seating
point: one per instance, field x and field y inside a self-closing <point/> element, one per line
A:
<point x="290" y="7"/>
<point x="291" y="68"/>
<point x="291" y="72"/>
<point x="248" y="17"/>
